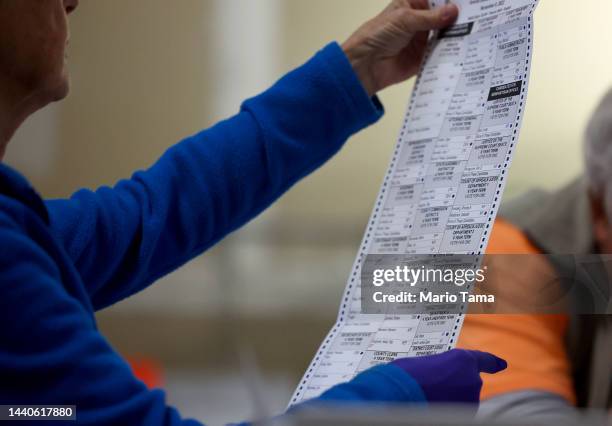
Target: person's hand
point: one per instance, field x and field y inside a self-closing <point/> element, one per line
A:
<point x="389" y="48"/>
<point x="450" y="377"/>
<point x="453" y="376"/>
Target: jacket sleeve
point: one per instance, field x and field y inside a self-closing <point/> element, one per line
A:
<point x="123" y="238"/>
<point x="375" y="387"/>
<point x="385" y="383"/>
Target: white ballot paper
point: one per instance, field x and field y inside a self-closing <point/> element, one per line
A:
<point x="444" y="185"/>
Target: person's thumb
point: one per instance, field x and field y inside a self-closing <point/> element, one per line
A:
<point x="429" y="19"/>
<point x="488" y="363"/>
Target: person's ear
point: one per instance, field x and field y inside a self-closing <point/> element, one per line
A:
<point x="601" y="224"/>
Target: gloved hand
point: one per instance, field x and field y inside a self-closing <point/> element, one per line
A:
<point x="450" y="377"/>
<point x="453" y="376"/>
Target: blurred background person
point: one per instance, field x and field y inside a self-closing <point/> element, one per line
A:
<point x="551" y="370"/>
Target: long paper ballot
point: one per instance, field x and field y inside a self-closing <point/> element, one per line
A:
<point x="444" y="185"/>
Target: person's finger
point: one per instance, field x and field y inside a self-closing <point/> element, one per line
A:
<point x="395" y="5"/>
<point x="428" y="19"/>
<point x="416" y="4"/>
<point x="419" y="4"/>
<point x="488" y="363"/>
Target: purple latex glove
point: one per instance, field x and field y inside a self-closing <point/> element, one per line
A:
<point x="453" y="376"/>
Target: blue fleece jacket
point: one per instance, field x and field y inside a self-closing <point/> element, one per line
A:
<point x="62" y="260"/>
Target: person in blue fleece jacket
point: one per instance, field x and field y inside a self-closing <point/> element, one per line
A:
<point x="61" y="260"/>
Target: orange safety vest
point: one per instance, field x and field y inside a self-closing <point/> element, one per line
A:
<point x="533" y="345"/>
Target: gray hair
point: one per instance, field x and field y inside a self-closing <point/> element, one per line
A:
<point x="598" y="152"/>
